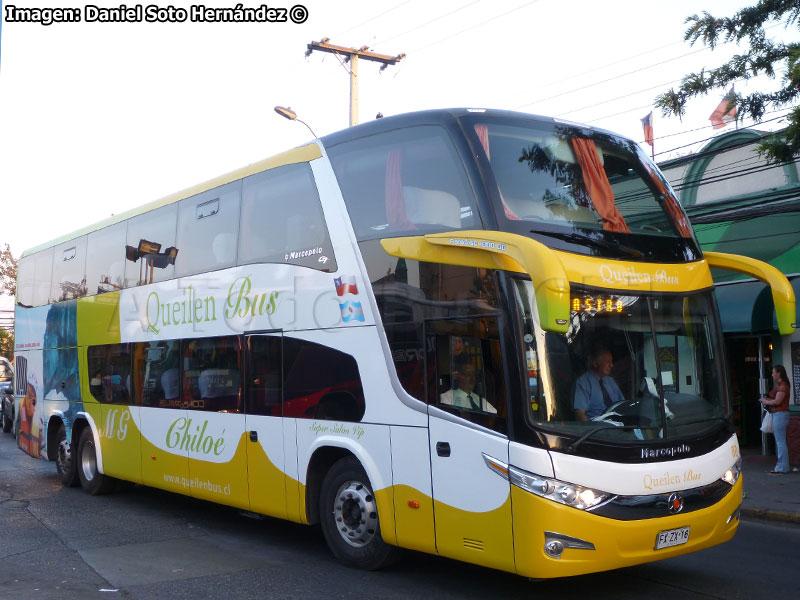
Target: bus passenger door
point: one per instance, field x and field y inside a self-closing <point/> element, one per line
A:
<point x="264" y="425"/>
<point x="467" y="424"/>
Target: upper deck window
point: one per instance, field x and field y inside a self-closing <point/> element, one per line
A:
<point x="404" y="182"/>
<point x="584" y="187"/>
<point x="282" y="220"/>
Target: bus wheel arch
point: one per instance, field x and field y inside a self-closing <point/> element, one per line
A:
<point x="318" y="466"/>
<point x="348" y="517"/>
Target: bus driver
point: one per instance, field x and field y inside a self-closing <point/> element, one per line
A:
<point x="596" y="390"/>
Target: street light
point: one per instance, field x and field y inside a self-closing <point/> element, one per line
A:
<point x="288" y="113"/>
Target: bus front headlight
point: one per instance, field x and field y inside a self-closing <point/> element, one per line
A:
<point x="731" y="476"/>
<point x="570" y="494"/>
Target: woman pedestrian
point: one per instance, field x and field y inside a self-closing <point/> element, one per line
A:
<point x="778" y="405"/>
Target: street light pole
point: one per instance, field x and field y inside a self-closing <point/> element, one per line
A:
<point x="288" y="113"/>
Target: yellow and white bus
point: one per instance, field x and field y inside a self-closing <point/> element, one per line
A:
<point x="479" y="334"/>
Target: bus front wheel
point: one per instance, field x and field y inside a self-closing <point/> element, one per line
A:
<point x="65" y="459"/>
<point x="349" y="518"/>
<point x="92" y="480"/>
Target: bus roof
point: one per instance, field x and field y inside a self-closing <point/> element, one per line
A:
<point x="300" y="154"/>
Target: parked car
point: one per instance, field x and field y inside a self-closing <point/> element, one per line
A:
<point x="6" y="394"/>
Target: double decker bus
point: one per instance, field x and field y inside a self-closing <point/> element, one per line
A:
<point x="392" y="331"/>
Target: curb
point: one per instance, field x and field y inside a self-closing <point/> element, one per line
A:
<point x="762" y="514"/>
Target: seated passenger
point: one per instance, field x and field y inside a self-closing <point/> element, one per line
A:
<point x="462" y="394"/>
<point x="596" y="390"/>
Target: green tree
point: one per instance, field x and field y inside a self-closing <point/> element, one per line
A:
<point x="763" y="57"/>
<point x="7" y="344"/>
<point x="8" y="272"/>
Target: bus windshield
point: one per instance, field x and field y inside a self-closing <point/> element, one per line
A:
<point x="583" y="188"/>
<point x="620" y="357"/>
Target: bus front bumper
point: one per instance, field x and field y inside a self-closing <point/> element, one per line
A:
<point x="616" y="543"/>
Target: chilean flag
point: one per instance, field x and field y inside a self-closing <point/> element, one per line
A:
<point x="723" y="115"/>
<point x="346" y="285"/>
<point x="647" y="125"/>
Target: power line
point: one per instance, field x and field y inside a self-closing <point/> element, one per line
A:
<point x="713" y="136"/>
<point x="481" y="24"/>
<point x="617" y="98"/>
<point x="371" y="19"/>
<point x="452" y="12"/>
<point x="610" y="79"/>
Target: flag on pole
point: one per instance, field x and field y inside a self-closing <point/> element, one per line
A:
<point x="725" y="112"/>
<point x="647" y="125"/>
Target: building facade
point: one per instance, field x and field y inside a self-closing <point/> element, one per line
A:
<point x="740" y="203"/>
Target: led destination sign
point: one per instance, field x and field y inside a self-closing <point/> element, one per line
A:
<point x="598" y="304"/>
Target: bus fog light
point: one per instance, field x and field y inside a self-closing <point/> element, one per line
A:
<point x="554" y="548"/>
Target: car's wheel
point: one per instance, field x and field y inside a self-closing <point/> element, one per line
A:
<point x="6" y="423"/>
<point x="65" y="459"/>
<point x="349" y="517"/>
<point x="92" y="480"/>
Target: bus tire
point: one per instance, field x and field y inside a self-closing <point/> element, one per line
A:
<point x="349" y="518"/>
<point x="65" y="459"/>
<point x="92" y="480"/>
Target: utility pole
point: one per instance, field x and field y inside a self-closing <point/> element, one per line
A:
<point x="352" y="55"/>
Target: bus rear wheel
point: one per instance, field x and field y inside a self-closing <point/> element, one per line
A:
<point x="92" y="480"/>
<point x="65" y="459"/>
<point x="349" y="518"/>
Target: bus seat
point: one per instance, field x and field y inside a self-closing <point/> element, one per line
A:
<point x="431" y="207"/>
<point x="170" y="383"/>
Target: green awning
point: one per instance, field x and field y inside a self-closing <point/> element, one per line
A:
<point x="746" y="306"/>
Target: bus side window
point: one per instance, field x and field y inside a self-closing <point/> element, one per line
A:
<point x="212" y="374"/>
<point x="109" y="372"/>
<point x="105" y="259"/>
<point x="33" y="278"/>
<point x="69" y="270"/>
<point x="320" y="383"/>
<point x="282" y="220"/>
<point x="263" y="390"/>
<point x="157" y="227"/>
<point x="208" y="226"/>
<point x="469" y="378"/>
<point x="402" y="182"/>
<point x="156" y="375"/>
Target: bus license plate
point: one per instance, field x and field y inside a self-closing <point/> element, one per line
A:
<point x="672" y="537"/>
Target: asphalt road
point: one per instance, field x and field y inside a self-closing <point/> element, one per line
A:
<point x="58" y="543"/>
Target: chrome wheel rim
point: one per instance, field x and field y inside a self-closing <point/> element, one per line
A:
<point x="88" y="461"/>
<point x="356" y="514"/>
<point x="64" y="456"/>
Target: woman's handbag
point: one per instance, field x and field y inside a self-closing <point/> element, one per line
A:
<point x="766" y="423"/>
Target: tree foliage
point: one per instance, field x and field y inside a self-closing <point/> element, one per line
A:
<point x="6" y="344"/>
<point x="763" y="57"/>
<point x="8" y="272"/>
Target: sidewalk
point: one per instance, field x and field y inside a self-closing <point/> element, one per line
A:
<point x="767" y="496"/>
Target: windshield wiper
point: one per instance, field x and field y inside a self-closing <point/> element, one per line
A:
<point x="574" y="445"/>
<point x="575" y="238"/>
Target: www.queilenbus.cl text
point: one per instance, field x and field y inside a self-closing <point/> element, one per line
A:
<point x="154" y="13"/>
